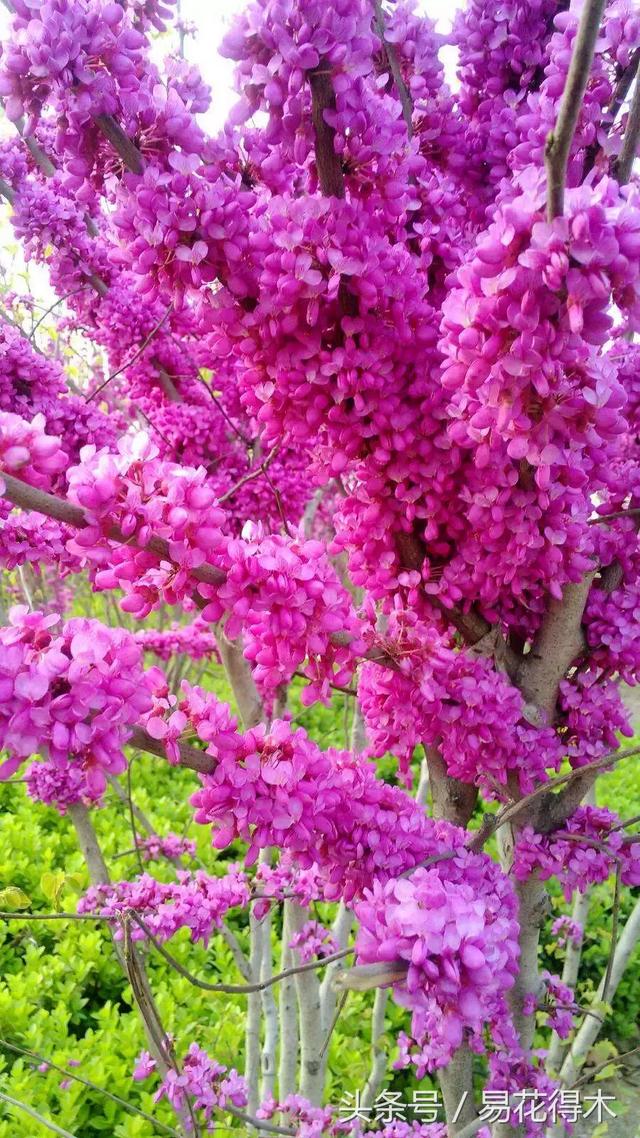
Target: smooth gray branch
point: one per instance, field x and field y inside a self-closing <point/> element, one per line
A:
<point x="558" y="144"/>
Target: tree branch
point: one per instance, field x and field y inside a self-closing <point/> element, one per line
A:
<point x="591" y="1026"/>
<point x="36" y="1115"/>
<point x="328" y="163"/>
<point x="557" y="644"/>
<point x="558" y="144"/>
<point x="391" y="53"/>
<point x="121" y="143"/>
<point x="623" y="165"/>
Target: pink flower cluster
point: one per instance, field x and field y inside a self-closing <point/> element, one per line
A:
<point x="86" y="55"/>
<point x="310" y="1121"/>
<point x="314" y="940"/>
<point x="287" y="880"/>
<point x="320" y="1122"/>
<point x="275" y="787"/>
<point x="563" y="1004"/>
<point x="171" y="846"/>
<point x="32" y="383"/>
<point x="59" y="786"/>
<point x="596" y="138"/>
<point x="455" y="925"/>
<point x="285" y="596"/>
<point x="532" y="403"/>
<point x="611" y="618"/>
<point x="134" y="491"/>
<point x="567" y="931"/>
<point x="594" y="716"/>
<point x="196" y="901"/>
<point x="456" y="701"/>
<point x="199" y="1083"/>
<point x="591" y="844"/>
<point x="28" y="452"/>
<point x="71" y="697"/>
<point x="502" y="53"/>
<point x="194" y="640"/>
<point x="29" y="539"/>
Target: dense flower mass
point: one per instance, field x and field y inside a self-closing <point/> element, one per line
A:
<point x="275" y="787"/>
<point x="195" y="640"/>
<point x="589" y="847"/>
<point x="197" y="901"/>
<point x="28" y="452"/>
<point x="199" y="1082"/>
<point x="144" y="498"/>
<point x="455" y="700"/>
<point x="455" y="926"/>
<point x="70" y="695"/>
<point x="171" y="846"/>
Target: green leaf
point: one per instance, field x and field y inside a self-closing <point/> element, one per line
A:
<point x="52" y="885"/>
<point x="13" y="898"/>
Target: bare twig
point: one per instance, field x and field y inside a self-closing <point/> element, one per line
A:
<point x="391" y="53"/>
<point x="91" y="1085"/>
<point x="145" y="343"/>
<point x="235" y="989"/>
<point x="558" y="144"/>
<point x="25" y="916"/>
<point x="615" y="917"/>
<point x="632" y="512"/>
<point x="60" y="300"/>
<point x="623" y="165"/>
<point x="261" y="468"/>
<point x="613" y="1060"/>
<point x="36" y="1115"/>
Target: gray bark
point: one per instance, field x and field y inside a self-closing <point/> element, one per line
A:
<point x="288" y="1015"/>
<point x="310" y="1022"/>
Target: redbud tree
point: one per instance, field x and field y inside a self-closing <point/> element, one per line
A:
<point x="361" y="401"/>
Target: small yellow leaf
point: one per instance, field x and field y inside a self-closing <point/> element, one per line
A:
<point x="13" y="898"/>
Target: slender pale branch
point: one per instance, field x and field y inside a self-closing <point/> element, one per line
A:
<point x="91" y="1085"/>
<point x="259" y="1123"/>
<point x="36" y="1115"/>
<point x="235" y="989"/>
<point x="558" y="143"/>
<point x="393" y="60"/>
<point x="378" y="1053"/>
<point x="623" y="166"/>
<point x="7" y="192"/>
<point x="592" y="1025"/>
